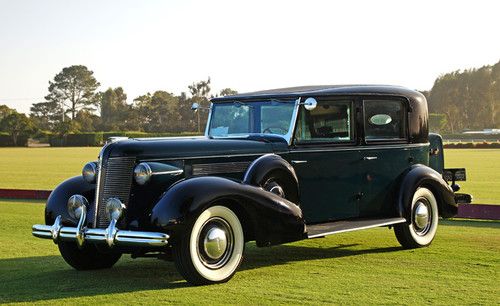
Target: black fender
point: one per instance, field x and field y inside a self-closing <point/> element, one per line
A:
<point x="266" y="218"/>
<point x="423" y="176"/>
<point x="57" y="203"/>
<point x="268" y="163"/>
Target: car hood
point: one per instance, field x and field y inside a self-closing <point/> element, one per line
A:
<point x="181" y="147"/>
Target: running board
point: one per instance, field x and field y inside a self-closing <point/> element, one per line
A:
<point x="324" y="229"/>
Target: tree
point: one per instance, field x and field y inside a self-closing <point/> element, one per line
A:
<point x="201" y="93"/>
<point x="5" y="111"/>
<point x="159" y="112"/>
<point x="73" y="89"/>
<point x="17" y="125"/>
<point x="114" y="109"/>
<point x="45" y="114"/>
<point x="227" y="92"/>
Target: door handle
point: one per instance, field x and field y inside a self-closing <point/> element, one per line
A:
<point x="370" y="158"/>
<point x="299" y="161"/>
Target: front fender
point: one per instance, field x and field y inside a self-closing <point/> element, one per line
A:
<point x="420" y="175"/>
<point x="271" y="219"/>
<point x="57" y="202"/>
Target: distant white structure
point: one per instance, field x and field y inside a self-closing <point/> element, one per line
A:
<point x="484" y="132"/>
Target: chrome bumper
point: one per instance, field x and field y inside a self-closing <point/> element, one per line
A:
<point x="111" y="235"/>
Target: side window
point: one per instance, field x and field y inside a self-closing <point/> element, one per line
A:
<point x="384" y="120"/>
<point x="329" y="122"/>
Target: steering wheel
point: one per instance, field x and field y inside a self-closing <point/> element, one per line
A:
<point x="269" y="129"/>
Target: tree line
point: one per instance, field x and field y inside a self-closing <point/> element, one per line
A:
<point x="459" y="100"/>
<point x="468" y="99"/>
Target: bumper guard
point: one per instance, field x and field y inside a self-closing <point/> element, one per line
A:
<point x="111" y="235"/>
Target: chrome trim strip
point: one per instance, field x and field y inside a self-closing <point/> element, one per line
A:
<point x="172" y="172"/>
<point x="203" y="157"/>
<point x="363" y="148"/>
<point x="400" y="220"/>
<point x="207" y="127"/>
<point x="291" y="130"/>
<point x="110" y="236"/>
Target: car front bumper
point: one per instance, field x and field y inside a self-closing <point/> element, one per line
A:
<point x="111" y="235"/>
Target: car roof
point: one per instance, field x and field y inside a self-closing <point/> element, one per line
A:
<point x="325" y="90"/>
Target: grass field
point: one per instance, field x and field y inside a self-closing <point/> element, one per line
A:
<point x="44" y="168"/>
<point x="462" y="266"/>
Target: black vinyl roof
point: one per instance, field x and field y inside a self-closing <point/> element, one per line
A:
<point x="325" y="90"/>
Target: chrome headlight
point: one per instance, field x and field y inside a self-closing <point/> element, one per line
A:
<point x="114" y="208"/>
<point x="142" y="173"/>
<point x="89" y="172"/>
<point x="75" y="205"/>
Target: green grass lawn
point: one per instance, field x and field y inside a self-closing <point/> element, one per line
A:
<point x="483" y="172"/>
<point x="44" y="168"/>
<point x="462" y="266"/>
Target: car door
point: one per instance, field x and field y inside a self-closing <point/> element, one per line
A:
<point x="326" y="160"/>
<point x="385" y="154"/>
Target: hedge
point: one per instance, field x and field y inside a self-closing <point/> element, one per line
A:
<point x="98" y="138"/>
<point x="471" y="137"/>
<point x="473" y="145"/>
<point x="6" y="140"/>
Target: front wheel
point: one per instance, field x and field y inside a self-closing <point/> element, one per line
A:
<point x="421" y="229"/>
<point x="213" y="249"/>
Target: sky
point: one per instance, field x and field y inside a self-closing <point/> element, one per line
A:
<point x="145" y="46"/>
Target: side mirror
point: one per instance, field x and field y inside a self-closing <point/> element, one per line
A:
<point x="195" y="106"/>
<point x="310" y="104"/>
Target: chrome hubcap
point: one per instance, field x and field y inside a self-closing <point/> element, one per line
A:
<point x="421" y="216"/>
<point x="215" y="243"/>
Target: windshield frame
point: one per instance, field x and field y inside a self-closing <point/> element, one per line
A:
<point x="287" y="137"/>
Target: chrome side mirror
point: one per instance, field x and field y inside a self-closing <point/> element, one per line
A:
<point x="310" y="104"/>
<point x="195" y="106"/>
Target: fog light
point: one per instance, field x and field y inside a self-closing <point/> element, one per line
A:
<point x="75" y="206"/>
<point x="89" y="172"/>
<point x="142" y="173"/>
<point x="114" y="208"/>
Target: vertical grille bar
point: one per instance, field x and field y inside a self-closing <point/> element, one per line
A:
<point x="115" y="182"/>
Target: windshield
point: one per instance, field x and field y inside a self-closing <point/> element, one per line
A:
<point x="238" y="118"/>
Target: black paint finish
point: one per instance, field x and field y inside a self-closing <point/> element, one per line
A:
<point x="267" y="218"/>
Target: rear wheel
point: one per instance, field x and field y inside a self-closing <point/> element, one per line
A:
<point x="211" y="251"/>
<point x="422" y="226"/>
<point x="87" y="258"/>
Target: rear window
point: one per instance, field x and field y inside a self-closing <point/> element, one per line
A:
<point x="384" y="120"/>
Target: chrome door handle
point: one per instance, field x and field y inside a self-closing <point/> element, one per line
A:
<point x="370" y="158"/>
<point x="299" y="161"/>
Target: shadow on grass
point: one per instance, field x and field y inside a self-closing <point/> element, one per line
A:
<point x="31" y="279"/>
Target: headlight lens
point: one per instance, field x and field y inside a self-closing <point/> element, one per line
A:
<point x="114" y="208"/>
<point x="142" y="173"/>
<point x="75" y="204"/>
<point x="89" y="172"/>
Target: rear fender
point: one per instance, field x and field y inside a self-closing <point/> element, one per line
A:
<point x="57" y="203"/>
<point x="423" y="176"/>
<point x="270" y="218"/>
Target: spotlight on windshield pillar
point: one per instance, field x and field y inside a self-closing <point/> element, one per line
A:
<point x="195" y="107"/>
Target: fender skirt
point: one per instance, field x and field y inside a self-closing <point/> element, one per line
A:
<point x="266" y="218"/>
<point x="423" y="176"/>
<point x="57" y="203"/>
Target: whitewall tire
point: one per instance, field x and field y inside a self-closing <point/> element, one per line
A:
<point x="212" y="249"/>
<point x="421" y="229"/>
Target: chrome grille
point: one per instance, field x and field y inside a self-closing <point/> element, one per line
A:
<point x="115" y="182"/>
<point x="215" y="168"/>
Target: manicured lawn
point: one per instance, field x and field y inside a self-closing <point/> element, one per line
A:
<point x="483" y="172"/>
<point x="462" y="266"/>
<point x="42" y="168"/>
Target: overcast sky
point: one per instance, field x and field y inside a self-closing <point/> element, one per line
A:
<point x="145" y="46"/>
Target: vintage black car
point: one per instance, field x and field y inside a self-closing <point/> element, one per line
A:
<point x="273" y="167"/>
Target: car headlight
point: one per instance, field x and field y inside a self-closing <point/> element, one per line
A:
<point x="142" y="173"/>
<point x="114" y="209"/>
<point x="89" y="172"/>
<point x="75" y="205"/>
